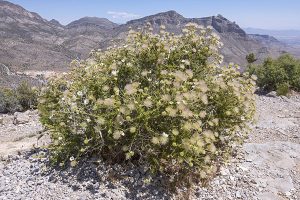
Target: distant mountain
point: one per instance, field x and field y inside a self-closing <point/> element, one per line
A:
<point x="29" y="42"/>
<point x="93" y="21"/>
<point x="237" y="44"/>
<point x="290" y="37"/>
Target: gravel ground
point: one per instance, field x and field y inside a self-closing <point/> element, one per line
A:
<point x="266" y="167"/>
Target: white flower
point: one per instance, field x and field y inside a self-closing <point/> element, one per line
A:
<point x="131" y="106"/>
<point x="86" y="102"/>
<point x="118" y="134"/>
<point x="187" y="126"/>
<point x="105" y="88"/>
<point x="236" y="109"/>
<point x="116" y="90"/>
<point x="202" y="114"/>
<point x="132" y="129"/>
<point x="144" y="73"/>
<point x="175" y="132"/>
<point x="254" y="77"/>
<point x="131" y="88"/>
<point x="125" y="148"/>
<point x="166" y="97"/>
<point x="163" y="27"/>
<point x="204" y="99"/>
<point x="148" y="103"/>
<point x="164" y="72"/>
<point x="100" y="120"/>
<point x="186" y="113"/>
<point x="79" y="93"/>
<point x="186" y="62"/>
<point x="164" y="138"/>
<point x="72" y="158"/>
<point x="191" y="24"/>
<point x="155" y="140"/>
<point x="189" y="73"/>
<point x="114" y="72"/>
<point x="172" y="112"/>
<point x="109" y="102"/>
<point x="180" y="76"/>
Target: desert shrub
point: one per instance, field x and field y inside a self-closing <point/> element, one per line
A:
<point x="251" y="58"/>
<point x="8" y="101"/>
<point x="21" y="98"/>
<point x="282" y="89"/>
<point x="281" y="72"/>
<point x="27" y="95"/>
<point x="160" y="100"/>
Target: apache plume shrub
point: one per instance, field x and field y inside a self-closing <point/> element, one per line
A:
<point x="160" y="100"/>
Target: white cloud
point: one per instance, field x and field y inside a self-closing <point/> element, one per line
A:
<point x="122" y="15"/>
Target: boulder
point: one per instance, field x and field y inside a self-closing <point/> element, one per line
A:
<point x="21" y="118"/>
<point x="6" y="119"/>
<point x="272" y="94"/>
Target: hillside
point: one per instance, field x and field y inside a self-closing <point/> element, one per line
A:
<point x="29" y="42"/>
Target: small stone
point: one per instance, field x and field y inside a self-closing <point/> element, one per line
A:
<point x="243" y="168"/>
<point x="253" y="181"/>
<point x="224" y="172"/>
<point x="272" y="94"/>
<point x="288" y="194"/>
<point x="21" y="118"/>
<point x="238" y="195"/>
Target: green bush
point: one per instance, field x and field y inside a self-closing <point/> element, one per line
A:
<point x="281" y="72"/>
<point x="21" y="98"/>
<point x="282" y="89"/>
<point x="160" y="100"/>
<point x="27" y="95"/>
<point x="8" y="101"/>
<point x="251" y="58"/>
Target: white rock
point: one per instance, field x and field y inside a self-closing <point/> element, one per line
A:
<point x="238" y="195"/>
<point x="224" y="171"/>
<point x="21" y="118"/>
<point x="288" y="194"/>
<point x="272" y="94"/>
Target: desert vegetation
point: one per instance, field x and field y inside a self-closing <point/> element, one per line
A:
<point x="160" y="100"/>
<point x="21" y="98"/>
<point x="280" y="75"/>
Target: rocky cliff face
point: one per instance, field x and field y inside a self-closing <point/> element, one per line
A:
<point x="29" y="42"/>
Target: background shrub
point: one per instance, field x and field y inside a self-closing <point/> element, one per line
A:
<point x="8" y="101"/>
<point x="160" y="100"/>
<point x="21" y="98"/>
<point x="277" y="74"/>
<point x="282" y="89"/>
<point x="26" y="95"/>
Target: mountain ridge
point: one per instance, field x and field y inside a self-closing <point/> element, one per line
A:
<point x="31" y="42"/>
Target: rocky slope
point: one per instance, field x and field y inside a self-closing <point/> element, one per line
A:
<point x="266" y="167"/>
<point x="29" y="42"/>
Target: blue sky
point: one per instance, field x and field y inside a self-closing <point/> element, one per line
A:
<point x="267" y="14"/>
